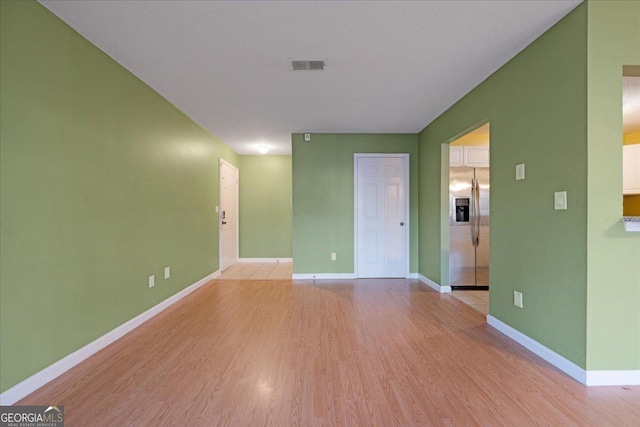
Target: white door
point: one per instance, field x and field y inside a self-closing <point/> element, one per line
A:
<point x="228" y="215"/>
<point x="381" y="215"/>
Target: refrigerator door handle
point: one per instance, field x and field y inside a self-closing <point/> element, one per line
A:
<point x="473" y="212"/>
<point x="477" y="200"/>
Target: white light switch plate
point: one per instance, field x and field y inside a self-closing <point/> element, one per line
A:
<point x="167" y="272"/>
<point x="152" y="281"/>
<point x="520" y="171"/>
<point x="517" y="299"/>
<point x="217" y="209"/>
<point x="560" y="200"/>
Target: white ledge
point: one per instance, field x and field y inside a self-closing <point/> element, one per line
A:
<point x="631" y="223"/>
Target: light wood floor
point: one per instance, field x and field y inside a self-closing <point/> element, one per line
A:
<point x="361" y="353"/>
<point x="478" y="300"/>
<point x="258" y="271"/>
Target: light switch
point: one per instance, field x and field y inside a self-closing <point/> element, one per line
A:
<point x="217" y="209"/>
<point x="167" y="272"/>
<point x="517" y="299"/>
<point x="520" y="171"/>
<point x="152" y="281"/>
<point x="560" y="200"/>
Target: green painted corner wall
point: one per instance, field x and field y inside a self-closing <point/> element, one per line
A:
<point x="613" y="299"/>
<point x="537" y="107"/>
<point x="323" y="197"/>
<point x="266" y="214"/>
<point x="103" y="183"/>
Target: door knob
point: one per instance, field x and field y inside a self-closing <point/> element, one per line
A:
<point x="401" y="224"/>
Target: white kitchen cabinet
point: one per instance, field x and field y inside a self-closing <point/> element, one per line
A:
<point x="472" y="157"/>
<point x="456" y="156"/>
<point x="631" y="169"/>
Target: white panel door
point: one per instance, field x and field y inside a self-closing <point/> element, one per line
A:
<point x="228" y="215"/>
<point x="381" y="216"/>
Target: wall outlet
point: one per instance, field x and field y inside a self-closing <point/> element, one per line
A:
<point x="217" y="209"/>
<point x="333" y="256"/>
<point x="517" y="299"/>
<point x="307" y="137"/>
<point x="167" y="272"/>
<point x="152" y="281"/>
<point x="520" y="171"/>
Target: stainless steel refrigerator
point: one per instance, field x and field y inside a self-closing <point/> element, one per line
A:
<point x="469" y="227"/>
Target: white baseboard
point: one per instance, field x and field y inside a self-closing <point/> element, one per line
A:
<point x="412" y="276"/>
<point x="603" y="378"/>
<point x="37" y="380"/>
<point x="265" y="260"/>
<point x="560" y="362"/>
<point x="434" y="285"/>
<point x="323" y="276"/>
<point x="589" y="378"/>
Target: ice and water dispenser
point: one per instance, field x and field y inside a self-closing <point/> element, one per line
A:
<point x="462" y="209"/>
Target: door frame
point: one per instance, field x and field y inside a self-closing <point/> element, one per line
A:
<point x="407" y="234"/>
<point x="237" y="254"/>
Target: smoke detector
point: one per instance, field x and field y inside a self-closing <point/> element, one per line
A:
<point x="307" y="64"/>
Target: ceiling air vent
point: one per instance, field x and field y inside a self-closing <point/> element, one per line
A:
<point x="307" y="65"/>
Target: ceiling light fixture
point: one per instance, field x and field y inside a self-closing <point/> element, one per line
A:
<point x="263" y="149"/>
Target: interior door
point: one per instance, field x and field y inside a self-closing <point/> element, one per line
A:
<point x="381" y="215"/>
<point x="228" y="213"/>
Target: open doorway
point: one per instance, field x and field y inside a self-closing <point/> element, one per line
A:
<point x="631" y="145"/>
<point x="469" y="217"/>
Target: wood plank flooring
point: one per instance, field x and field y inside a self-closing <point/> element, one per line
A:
<point x="338" y="353"/>
<point x="258" y="271"/>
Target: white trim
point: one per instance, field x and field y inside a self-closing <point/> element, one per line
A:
<point x="412" y="276"/>
<point x="220" y="208"/>
<point x="323" y="276"/>
<point x="37" y="380"/>
<point x="407" y="195"/>
<point x="560" y="362"/>
<point x="589" y="378"/>
<point x="434" y="285"/>
<point x="265" y="260"/>
<point x="601" y="378"/>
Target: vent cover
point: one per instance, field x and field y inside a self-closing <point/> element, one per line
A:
<point x="307" y="65"/>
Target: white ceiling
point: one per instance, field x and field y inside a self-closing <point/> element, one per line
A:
<point x="392" y="66"/>
<point x="631" y="104"/>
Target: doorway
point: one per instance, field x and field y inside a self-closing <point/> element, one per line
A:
<point x="228" y="215"/>
<point x="381" y="215"/>
<point x="469" y="202"/>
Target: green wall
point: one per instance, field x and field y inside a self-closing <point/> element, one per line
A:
<point x="266" y="217"/>
<point x="613" y="322"/>
<point x="104" y="183"/>
<point x="323" y="197"/>
<point x="537" y="107"/>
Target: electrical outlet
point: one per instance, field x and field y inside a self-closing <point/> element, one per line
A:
<point x="217" y="209"/>
<point x="517" y="299"/>
<point x="333" y="256"/>
<point x="167" y="272"/>
<point x="307" y="137"/>
<point x="152" y="281"/>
